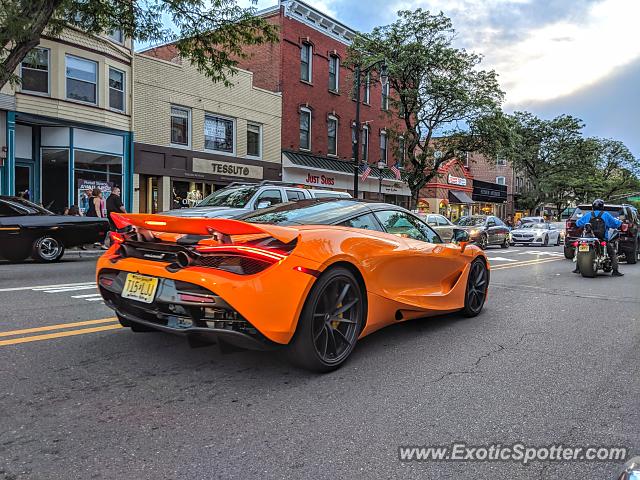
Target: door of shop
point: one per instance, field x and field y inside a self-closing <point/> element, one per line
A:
<point x="25" y="179"/>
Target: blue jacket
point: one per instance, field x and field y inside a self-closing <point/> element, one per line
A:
<point x="609" y="220"/>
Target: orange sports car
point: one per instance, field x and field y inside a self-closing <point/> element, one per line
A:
<point x="314" y="276"/>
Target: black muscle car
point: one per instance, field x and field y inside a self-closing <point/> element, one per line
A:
<point x="27" y="229"/>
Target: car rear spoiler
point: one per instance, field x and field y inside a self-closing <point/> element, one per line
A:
<point x="201" y="226"/>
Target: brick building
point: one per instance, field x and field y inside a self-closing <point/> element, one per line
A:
<point x="494" y="176"/>
<point x="307" y="67"/>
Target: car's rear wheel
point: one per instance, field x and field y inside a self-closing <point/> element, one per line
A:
<point x="477" y="284"/>
<point x="330" y="322"/>
<point x="47" y="249"/>
<point x="631" y="255"/>
<point x="587" y="263"/>
<point x="558" y="241"/>
<point x="505" y="244"/>
<point x="545" y="242"/>
<point x="569" y="253"/>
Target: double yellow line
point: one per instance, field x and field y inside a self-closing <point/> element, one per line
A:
<point x="526" y="263"/>
<point x="24" y="335"/>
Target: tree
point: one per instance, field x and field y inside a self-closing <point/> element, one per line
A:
<point x="617" y="169"/>
<point x="211" y="34"/>
<point x="557" y="160"/>
<point x="445" y="101"/>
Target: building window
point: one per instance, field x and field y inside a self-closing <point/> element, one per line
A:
<point x="116" y="89"/>
<point x="35" y="71"/>
<point x="383" y="147"/>
<point x="385" y="97"/>
<point x="306" y="53"/>
<point x="219" y="134"/>
<point x="501" y="161"/>
<point x="305" y="129"/>
<point x="116" y="35"/>
<point x="334" y="73"/>
<point x="367" y="89"/>
<point x="180" y="126"/>
<point x="82" y="80"/>
<point x="501" y="180"/>
<point x="466" y="159"/>
<point x="254" y="140"/>
<point x="332" y="131"/>
<point x="364" y="140"/>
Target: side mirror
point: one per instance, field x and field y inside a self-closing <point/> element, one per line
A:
<point x="460" y="238"/>
<point x="263" y="204"/>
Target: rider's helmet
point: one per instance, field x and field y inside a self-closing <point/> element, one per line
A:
<point x="598" y="204"/>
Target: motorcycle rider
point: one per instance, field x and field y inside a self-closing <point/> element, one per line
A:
<point x="609" y="221"/>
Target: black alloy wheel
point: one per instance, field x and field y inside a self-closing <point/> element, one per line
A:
<point x="545" y="242"/>
<point x="330" y="322"/>
<point x="47" y="249"/>
<point x="477" y="285"/>
<point x="506" y="243"/>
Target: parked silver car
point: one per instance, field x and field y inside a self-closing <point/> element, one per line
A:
<point x="440" y="224"/>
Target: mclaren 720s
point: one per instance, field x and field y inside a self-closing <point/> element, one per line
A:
<point x="313" y="276"/>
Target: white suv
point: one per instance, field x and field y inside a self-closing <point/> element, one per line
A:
<point x="240" y="198"/>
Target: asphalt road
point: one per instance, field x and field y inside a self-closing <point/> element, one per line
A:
<point x="553" y="359"/>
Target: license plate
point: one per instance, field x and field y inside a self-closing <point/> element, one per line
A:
<point x="583" y="248"/>
<point x="140" y="288"/>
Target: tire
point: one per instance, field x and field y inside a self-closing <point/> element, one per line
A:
<point x="476" y="292"/>
<point x="586" y="264"/>
<point x="569" y="252"/>
<point x="505" y="244"/>
<point x="47" y="250"/>
<point x="545" y="242"/>
<point x="632" y="255"/>
<point x="325" y="337"/>
<point x="483" y="241"/>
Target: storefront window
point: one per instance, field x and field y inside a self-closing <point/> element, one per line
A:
<point x="95" y="170"/>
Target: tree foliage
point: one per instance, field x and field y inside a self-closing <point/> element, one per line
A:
<point x="211" y="34"/>
<point x="445" y="101"/>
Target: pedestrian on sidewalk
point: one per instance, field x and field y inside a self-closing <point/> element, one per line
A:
<point x="114" y="205"/>
<point x="95" y="210"/>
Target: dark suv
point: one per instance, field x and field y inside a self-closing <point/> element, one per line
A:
<point x="629" y="240"/>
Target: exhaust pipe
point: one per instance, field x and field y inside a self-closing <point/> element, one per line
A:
<point x="183" y="259"/>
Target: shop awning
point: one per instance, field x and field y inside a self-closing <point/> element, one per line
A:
<point x="302" y="159"/>
<point x="456" y="196"/>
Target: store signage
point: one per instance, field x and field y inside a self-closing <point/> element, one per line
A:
<point x="214" y="167"/>
<point x="457" y="181"/>
<point x="320" y="180"/>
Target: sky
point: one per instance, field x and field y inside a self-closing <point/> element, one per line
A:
<point x="579" y="57"/>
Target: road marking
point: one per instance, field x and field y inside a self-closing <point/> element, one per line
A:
<point x="501" y="259"/>
<point x="526" y="263"/>
<point x="58" y="326"/>
<point x="533" y="252"/>
<point x="46" y="287"/>
<point x="86" y="296"/>
<point x="66" y="333"/>
<point x="94" y="299"/>
<point x="69" y="289"/>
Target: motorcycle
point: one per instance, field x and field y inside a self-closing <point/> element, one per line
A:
<point x="591" y="252"/>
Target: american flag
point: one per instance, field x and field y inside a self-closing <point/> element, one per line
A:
<point x="394" y="169"/>
<point x="366" y="173"/>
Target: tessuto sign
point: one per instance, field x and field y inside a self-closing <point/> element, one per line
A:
<point x="457" y="181"/>
<point x="214" y="167"/>
<point x="320" y="180"/>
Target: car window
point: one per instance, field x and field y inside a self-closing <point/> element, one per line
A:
<point x="272" y="195"/>
<point x="431" y="220"/>
<point x="25" y="207"/>
<point x="405" y="225"/>
<point x="7" y="210"/>
<point x="366" y="222"/>
<point x="293" y="195"/>
<point x="498" y="222"/>
<point x="491" y="222"/>
<point x="329" y="195"/>
<point x="305" y="212"/>
<point x="442" y="221"/>
<point x="470" y="221"/>
<point x="232" y="197"/>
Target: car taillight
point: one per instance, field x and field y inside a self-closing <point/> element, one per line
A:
<point x="106" y="281"/>
<point x="263" y="254"/>
<point x="194" y="298"/>
<point x="575" y="244"/>
<point x="116" y="237"/>
<point x="604" y="244"/>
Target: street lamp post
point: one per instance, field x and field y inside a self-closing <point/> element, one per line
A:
<point x="381" y="167"/>
<point x="384" y="80"/>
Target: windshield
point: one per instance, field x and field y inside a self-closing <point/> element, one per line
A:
<point x="538" y="226"/>
<point x="28" y="207"/>
<point x="614" y="211"/>
<point x="304" y="212"/>
<point x="232" y="197"/>
<point x="470" y="221"/>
